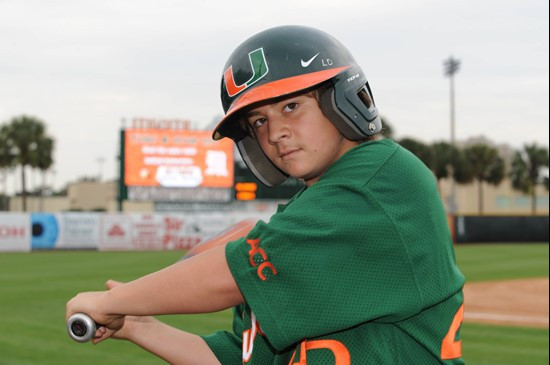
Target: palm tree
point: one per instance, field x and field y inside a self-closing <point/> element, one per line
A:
<point x="484" y="165"/>
<point x="26" y="138"/>
<point x="525" y="170"/>
<point x="449" y="161"/>
<point x="387" y="129"/>
<point x="6" y="156"/>
<point x="44" y="160"/>
<point x="421" y="150"/>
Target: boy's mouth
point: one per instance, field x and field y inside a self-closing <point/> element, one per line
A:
<point x="287" y="153"/>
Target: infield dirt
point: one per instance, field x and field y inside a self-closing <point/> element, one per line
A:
<point x="521" y="302"/>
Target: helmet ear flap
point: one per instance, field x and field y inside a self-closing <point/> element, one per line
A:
<point x="349" y="105"/>
<point x="340" y="121"/>
<point x="258" y="163"/>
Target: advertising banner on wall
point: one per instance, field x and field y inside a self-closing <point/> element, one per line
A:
<point x="15" y="232"/>
<point x="114" y="232"/>
<point x="78" y="230"/>
<point x="210" y="224"/>
<point x="150" y="232"/>
<point x="45" y="231"/>
<point x="177" y="159"/>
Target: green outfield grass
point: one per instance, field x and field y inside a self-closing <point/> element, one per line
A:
<point x="490" y="345"/>
<point x="484" y="262"/>
<point x="34" y="288"/>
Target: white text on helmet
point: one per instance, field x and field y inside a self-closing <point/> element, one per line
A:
<point x="353" y="78"/>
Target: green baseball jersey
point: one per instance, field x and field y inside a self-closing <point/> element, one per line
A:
<point x="358" y="268"/>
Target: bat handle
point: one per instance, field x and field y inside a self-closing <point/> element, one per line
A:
<point x="81" y="327"/>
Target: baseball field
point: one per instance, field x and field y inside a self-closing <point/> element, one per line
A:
<point x="34" y="288"/>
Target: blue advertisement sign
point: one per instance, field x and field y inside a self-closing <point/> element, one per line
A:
<point x="45" y="231"/>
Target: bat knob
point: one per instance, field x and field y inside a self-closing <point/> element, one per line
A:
<point x="81" y="327"/>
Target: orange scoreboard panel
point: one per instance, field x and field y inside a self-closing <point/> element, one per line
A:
<point x="177" y="158"/>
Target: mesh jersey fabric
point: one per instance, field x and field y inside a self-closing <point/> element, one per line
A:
<point x="363" y="257"/>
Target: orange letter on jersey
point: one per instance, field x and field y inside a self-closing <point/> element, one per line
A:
<point x="264" y="265"/>
<point x="255" y="249"/>
<point x="451" y="349"/>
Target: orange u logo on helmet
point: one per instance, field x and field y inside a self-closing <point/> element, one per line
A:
<point x="259" y="66"/>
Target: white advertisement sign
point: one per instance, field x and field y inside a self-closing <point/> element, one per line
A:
<point x="178" y="232"/>
<point x="15" y="232"/>
<point x="210" y="224"/>
<point x="78" y="230"/>
<point x="149" y="232"/>
<point x="115" y="232"/>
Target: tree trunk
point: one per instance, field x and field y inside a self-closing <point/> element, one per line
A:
<point x="41" y="207"/>
<point x="23" y="189"/>
<point x="533" y="199"/>
<point x="5" y="181"/>
<point x="480" y="196"/>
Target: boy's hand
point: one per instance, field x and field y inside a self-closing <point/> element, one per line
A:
<point x="130" y="324"/>
<point x="89" y="303"/>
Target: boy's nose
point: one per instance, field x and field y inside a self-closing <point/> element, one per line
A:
<point x="278" y="129"/>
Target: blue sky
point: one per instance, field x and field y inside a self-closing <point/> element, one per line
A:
<point x="83" y="66"/>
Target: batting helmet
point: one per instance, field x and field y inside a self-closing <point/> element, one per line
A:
<point x="285" y="60"/>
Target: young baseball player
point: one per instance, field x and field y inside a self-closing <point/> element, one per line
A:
<point x="357" y="268"/>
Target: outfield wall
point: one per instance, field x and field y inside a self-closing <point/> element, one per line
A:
<point x="114" y="231"/>
<point x="498" y="229"/>
<point x="177" y="231"/>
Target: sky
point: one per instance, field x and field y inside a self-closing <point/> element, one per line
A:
<point x="86" y="68"/>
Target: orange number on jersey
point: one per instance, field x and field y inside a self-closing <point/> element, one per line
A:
<point x="340" y="352"/>
<point x="451" y="349"/>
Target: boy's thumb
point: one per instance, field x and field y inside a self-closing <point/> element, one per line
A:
<point x="110" y="284"/>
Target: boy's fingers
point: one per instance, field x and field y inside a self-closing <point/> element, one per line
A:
<point x="102" y="334"/>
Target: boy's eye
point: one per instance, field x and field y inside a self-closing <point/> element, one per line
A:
<point x="258" y="122"/>
<point x="290" y="106"/>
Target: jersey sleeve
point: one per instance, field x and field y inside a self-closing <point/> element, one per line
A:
<point x="318" y="268"/>
<point x="227" y="346"/>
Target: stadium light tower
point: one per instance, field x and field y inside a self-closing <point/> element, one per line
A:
<point x="451" y="67"/>
<point x="100" y="162"/>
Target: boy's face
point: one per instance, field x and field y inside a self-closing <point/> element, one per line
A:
<point x="297" y="137"/>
